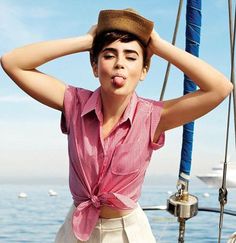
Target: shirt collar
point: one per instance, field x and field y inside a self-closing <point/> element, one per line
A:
<point x="94" y="104"/>
<point x="130" y="109"/>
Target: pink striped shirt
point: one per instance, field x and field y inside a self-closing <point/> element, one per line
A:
<point x="106" y="171"/>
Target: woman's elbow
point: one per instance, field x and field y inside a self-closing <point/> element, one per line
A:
<point x="229" y="87"/>
<point x="6" y="62"/>
<point x="225" y="89"/>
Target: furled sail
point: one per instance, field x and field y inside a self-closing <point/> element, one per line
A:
<point x="193" y="29"/>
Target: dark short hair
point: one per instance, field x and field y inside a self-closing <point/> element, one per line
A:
<point x="104" y="39"/>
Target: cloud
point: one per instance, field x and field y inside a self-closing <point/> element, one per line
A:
<point x="13" y="30"/>
<point x="16" y="24"/>
<point x="15" y="99"/>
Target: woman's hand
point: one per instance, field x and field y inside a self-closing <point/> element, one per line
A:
<point x="153" y="43"/>
<point x="93" y="30"/>
<point x="91" y="35"/>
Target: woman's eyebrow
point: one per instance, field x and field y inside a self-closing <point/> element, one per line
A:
<point x="130" y="51"/>
<point x="127" y="51"/>
<point x="109" y="49"/>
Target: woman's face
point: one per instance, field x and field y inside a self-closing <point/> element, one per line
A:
<point x="120" y="67"/>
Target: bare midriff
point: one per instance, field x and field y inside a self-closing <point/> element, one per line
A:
<point x="110" y="213"/>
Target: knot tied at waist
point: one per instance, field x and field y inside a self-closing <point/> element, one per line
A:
<point x="95" y="201"/>
<point x="87" y="212"/>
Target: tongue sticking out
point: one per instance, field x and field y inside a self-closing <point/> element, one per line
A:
<point x="118" y="81"/>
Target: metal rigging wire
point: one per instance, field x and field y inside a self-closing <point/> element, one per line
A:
<point x="232" y="47"/>
<point x="223" y="189"/>
<point x="173" y="42"/>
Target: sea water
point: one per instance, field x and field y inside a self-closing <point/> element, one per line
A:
<point x="38" y="217"/>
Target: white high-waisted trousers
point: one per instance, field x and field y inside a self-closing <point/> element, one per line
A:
<point x="132" y="228"/>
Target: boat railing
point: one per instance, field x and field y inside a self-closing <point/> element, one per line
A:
<point x="204" y="209"/>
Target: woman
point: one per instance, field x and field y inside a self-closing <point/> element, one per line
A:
<point x="112" y="132"/>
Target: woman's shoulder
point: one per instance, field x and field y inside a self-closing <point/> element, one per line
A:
<point x="78" y="92"/>
<point x="150" y="102"/>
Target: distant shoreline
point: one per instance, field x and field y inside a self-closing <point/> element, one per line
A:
<point x="34" y="180"/>
<point x="163" y="179"/>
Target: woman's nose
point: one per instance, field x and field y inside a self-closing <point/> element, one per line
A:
<point x="119" y="63"/>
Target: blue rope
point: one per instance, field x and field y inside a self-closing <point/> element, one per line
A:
<point x="193" y="28"/>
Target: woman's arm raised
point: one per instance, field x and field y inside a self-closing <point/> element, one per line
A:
<point x="21" y="63"/>
<point x="214" y="87"/>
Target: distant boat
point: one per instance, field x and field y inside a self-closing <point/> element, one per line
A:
<point x="214" y="177"/>
<point x="22" y="195"/>
<point x="206" y="194"/>
<point x="52" y="193"/>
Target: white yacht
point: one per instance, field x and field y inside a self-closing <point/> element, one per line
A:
<point x="214" y="177"/>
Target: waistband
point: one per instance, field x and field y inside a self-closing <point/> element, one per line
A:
<point x="116" y="223"/>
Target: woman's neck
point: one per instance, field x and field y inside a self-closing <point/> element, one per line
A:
<point x="113" y="107"/>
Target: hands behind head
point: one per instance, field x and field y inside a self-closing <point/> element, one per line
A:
<point x="153" y="42"/>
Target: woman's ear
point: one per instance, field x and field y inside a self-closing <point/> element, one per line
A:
<point x="95" y="69"/>
<point x="144" y="73"/>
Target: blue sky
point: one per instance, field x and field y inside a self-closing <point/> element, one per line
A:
<point x="31" y="144"/>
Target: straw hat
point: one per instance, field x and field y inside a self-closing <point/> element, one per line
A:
<point x="127" y="20"/>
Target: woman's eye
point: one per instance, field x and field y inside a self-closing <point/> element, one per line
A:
<point x="108" y="56"/>
<point x="132" y="58"/>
